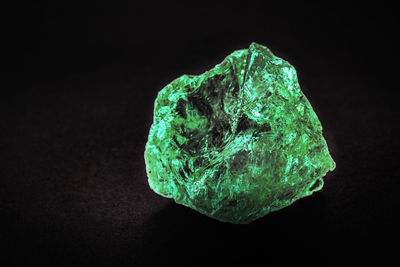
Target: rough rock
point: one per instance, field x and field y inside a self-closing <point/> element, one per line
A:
<point x="238" y="141"/>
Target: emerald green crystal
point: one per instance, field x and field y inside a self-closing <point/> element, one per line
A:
<point x="238" y="141"/>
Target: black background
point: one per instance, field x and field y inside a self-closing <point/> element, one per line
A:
<point x="76" y="106"/>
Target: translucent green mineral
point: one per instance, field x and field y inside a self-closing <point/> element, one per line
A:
<point x="238" y="141"/>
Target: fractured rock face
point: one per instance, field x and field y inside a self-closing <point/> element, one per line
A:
<point x="238" y="141"/>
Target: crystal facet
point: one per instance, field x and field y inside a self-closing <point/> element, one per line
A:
<point x="238" y="141"/>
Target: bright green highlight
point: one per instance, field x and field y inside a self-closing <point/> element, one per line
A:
<point x="238" y="141"/>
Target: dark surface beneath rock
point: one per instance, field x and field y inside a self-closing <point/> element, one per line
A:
<point x="76" y="107"/>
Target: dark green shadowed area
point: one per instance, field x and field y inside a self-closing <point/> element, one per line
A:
<point x="238" y="141"/>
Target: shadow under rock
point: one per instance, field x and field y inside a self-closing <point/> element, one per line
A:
<point x="179" y="234"/>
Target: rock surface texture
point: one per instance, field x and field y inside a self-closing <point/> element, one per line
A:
<point x="238" y="141"/>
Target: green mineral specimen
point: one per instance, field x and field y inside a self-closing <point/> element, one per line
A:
<point x="238" y="141"/>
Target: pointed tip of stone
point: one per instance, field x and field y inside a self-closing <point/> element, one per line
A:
<point x="254" y="45"/>
<point x="261" y="48"/>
